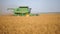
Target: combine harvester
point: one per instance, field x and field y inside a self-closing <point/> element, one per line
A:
<point x="22" y="11"/>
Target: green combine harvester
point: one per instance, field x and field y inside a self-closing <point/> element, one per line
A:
<point x="22" y="11"/>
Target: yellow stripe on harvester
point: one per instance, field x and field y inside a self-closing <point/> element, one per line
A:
<point x="27" y="15"/>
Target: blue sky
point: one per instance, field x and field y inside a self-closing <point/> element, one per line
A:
<point x="37" y="6"/>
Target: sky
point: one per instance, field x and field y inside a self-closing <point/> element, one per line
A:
<point x="38" y="6"/>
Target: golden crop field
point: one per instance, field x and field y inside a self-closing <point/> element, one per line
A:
<point x="43" y="24"/>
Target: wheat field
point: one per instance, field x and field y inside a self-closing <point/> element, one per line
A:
<point x="43" y="24"/>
